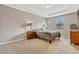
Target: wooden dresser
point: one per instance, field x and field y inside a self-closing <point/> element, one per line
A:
<point x="74" y="37"/>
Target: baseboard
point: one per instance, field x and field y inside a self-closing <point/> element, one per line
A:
<point x="67" y="36"/>
<point x="7" y="42"/>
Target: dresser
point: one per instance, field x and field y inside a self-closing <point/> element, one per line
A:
<point x="74" y="37"/>
<point x="74" y="34"/>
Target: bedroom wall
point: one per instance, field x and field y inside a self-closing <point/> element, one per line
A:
<point x="11" y="21"/>
<point x="68" y="18"/>
<point x="0" y="27"/>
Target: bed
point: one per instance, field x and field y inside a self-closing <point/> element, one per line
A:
<point x="49" y="36"/>
<point x="45" y="35"/>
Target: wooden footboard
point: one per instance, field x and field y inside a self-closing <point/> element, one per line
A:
<point x="53" y="36"/>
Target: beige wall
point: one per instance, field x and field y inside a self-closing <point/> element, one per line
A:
<point x="68" y="18"/>
<point x="12" y="19"/>
<point x="10" y="22"/>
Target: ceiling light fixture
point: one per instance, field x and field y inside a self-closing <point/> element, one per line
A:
<point x="47" y="5"/>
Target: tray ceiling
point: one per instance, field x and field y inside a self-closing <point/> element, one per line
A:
<point x="46" y="11"/>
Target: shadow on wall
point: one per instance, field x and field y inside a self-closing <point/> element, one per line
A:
<point x="18" y="37"/>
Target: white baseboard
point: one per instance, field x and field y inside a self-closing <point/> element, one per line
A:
<point x="7" y="42"/>
<point x="67" y="36"/>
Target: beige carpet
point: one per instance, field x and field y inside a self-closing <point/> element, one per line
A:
<point x="40" y="46"/>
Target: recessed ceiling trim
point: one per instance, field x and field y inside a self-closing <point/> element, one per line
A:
<point x="57" y="12"/>
<point x="26" y="10"/>
<point x="64" y="9"/>
<point x="63" y="13"/>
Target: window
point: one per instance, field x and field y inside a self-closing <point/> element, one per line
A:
<point x="59" y="23"/>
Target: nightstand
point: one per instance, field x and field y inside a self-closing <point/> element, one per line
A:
<point x="31" y="35"/>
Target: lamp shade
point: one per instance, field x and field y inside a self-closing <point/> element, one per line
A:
<point x="23" y="25"/>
